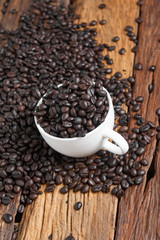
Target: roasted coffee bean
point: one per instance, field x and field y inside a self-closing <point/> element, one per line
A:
<point x="158" y="136"/>
<point x="70" y="237"/>
<point x="93" y="23"/>
<point x="122" y="51"/>
<point x="136" y="108"/>
<point x="140" y="151"/>
<point x="138" y="66"/>
<point x="124" y="184"/>
<point x="138" y="20"/>
<point x="120" y="193"/>
<point x="20" y="208"/>
<point x="144" y="162"/>
<point x="152" y="68"/>
<point x="59" y="179"/>
<point x="158" y="111"/>
<point x="129" y="28"/>
<point x="102" y="22"/>
<point x="85" y="189"/>
<point x="6" y="200"/>
<point x="7" y="218"/>
<point x="133" y="172"/>
<point x="78" y="187"/>
<point x="102" y="6"/>
<point x="50" y="188"/>
<point x="150" y="88"/>
<point x="134" y="49"/>
<point x="109" y="61"/>
<point x="77" y="206"/>
<point x="105" y="188"/>
<point x="97" y="188"/>
<point x="138" y="180"/>
<point x="64" y="190"/>
<point x="115" y="39"/>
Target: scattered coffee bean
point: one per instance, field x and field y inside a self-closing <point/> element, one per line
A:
<point x="150" y="88"/>
<point x="93" y="23"/>
<point x="158" y="112"/>
<point x="122" y="51"/>
<point x="152" y="68"/>
<point x="7" y="218"/>
<point x="102" y="6"/>
<point x="138" y="66"/>
<point x="77" y="206"/>
<point x="138" y="180"/>
<point x="129" y="28"/>
<point x="102" y="22"/>
<point x="70" y="237"/>
<point x="138" y="20"/>
<point x="115" y="39"/>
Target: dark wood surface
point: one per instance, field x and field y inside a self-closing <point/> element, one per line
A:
<point x="137" y="215"/>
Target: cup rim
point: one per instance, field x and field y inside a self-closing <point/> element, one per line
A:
<point x="74" y="138"/>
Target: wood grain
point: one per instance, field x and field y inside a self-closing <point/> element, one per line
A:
<point x="96" y="220"/>
<point x="6" y="230"/>
<point x="139" y="212"/>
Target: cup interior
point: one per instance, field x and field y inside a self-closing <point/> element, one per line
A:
<point x="110" y="112"/>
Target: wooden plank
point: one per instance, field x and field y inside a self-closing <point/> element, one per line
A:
<point x="6" y="230"/>
<point x="139" y="212"/>
<point x="96" y="220"/>
<point x="10" y="21"/>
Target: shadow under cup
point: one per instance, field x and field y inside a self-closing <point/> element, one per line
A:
<point x="92" y="142"/>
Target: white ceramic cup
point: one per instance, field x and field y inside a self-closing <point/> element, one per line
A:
<point x="93" y="141"/>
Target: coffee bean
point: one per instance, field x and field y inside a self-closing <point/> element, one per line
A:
<point x="85" y="189"/>
<point x="120" y="193"/>
<point x="158" y="111"/>
<point x="96" y="188"/>
<point x="6" y="200"/>
<point x="140" y="151"/>
<point x="152" y="68"/>
<point x="64" y="190"/>
<point x="77" y="206"/>
<point x="150" y="88"/>
<point x="134" y="49"/>
<point x="136" y="108"/>
<point x="7" y="218"/>
<point x="138" y="20"/>
<point x="138" y="180"/>
<point x="70" y="237"/>
<point x="138" y="66"/>
<point x="109" y="61"/>
<point x="20" y="208"/>
<point x="122" y="51"/>
<point x="133" y="172"/>
<point x="158" y="136"/>
<point x="102" y="22"/>
<point x="144" y="162"/>
<point x="129" y="28"/>
<point x="124" y="184"/>
<point x="102" y="6"/>
<point x="50" y="188"/>
<point x="93" y="23"/>
<point x="115" y="39"/>
<point x="141" y="172"/>
<point x="59" y="179"/>
<point x="78" y="187"/>
<point x="111" y="48"/>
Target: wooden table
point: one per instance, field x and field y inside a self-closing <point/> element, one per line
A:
<point x="103" y="217"/>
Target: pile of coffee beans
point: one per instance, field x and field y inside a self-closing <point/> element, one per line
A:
<point x="73" y="109"/>
<point x="46" y="50"/>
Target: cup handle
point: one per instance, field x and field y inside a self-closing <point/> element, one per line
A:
<point x="122" y="147"/>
